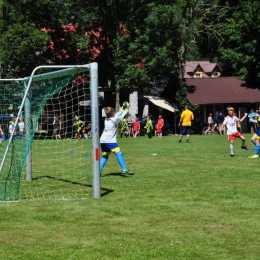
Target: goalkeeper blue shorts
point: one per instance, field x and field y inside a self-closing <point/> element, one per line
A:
<point x="108" y="148"/>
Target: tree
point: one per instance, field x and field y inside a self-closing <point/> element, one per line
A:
<point x="36" y="32"/>
<point x="239" y="54"/>
<point x="146" y="47"/>
<point x="156" y="39"/>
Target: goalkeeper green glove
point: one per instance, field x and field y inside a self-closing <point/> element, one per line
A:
<point x="125" y="106"/>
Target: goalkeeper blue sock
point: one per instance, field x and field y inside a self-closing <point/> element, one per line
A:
<point x="121" y="160"/>
<point x="257" y="149"/>
<point x="103" y="161"/>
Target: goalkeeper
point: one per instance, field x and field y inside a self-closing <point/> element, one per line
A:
<point x="108" y="138"/>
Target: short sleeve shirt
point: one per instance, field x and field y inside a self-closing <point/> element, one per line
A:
<point x="187" y="116"/>
<point x="231" y="124"/>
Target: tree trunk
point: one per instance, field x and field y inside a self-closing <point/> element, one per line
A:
<point x="182" y="61"/>
<point x="117" y="97"/>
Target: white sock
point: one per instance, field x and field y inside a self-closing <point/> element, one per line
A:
<point x="232" y="149"/>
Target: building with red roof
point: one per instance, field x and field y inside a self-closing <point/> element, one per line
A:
<point x="206" y="88"/>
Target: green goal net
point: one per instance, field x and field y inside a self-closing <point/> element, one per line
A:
<point x="47" y="135"/>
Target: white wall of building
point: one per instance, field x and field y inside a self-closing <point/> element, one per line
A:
<point x="133" y="100"/>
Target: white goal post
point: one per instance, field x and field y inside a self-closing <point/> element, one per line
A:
<point x="94" y="104"/>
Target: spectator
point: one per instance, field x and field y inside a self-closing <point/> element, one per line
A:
<point x="210" y="124"/>
<point x="185" y="124"/>
<point x="252" y="126"/>
<point x="56" y="127"/>
<point x="130" y="126"/>
<point x="136" y="127"/>
<point x="124" y="127"/>
<point x="79" y="127"/>
<point x="219" y="120"/>
<point x="149" y="127"/>
<point x="88" y="132"/>
<point x="166" y="128"/>
<point x="11" y="129"/>
<point x="257" y="115"/>
<point x="21" y="128"/>
<point x="160" y="124"/>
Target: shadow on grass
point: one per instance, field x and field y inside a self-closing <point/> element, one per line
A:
<point x="104" y="191"/>
<point x="116" y="174"/>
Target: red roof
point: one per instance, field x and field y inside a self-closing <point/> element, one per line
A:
<point x="220" y="90"/>
<point x="206" y="66"/>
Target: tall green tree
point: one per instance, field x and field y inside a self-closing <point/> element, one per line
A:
<point x="159" y="36"/>
<point x="21" y="41"/>
<point x="40" y="32"/>
<point x="239" y="54"/>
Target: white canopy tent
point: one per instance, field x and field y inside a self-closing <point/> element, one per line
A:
<point x="161" y="102"/>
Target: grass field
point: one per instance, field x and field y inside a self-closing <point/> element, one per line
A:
<point x="189" y="201"/>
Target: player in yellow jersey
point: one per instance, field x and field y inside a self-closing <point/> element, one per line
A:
<point x="185" y="124"/>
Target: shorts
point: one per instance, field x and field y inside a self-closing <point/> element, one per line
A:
<point x="108" y="148"/>
<point x="257" y="134"/>
<point x="159" y="130"/>
<point x="56" y="131"/>
<point x="235" y="135"/>
<point x="185" y="130"/>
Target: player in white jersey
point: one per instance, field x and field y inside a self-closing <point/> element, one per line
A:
<point x="231" y="122"/>
<point x="108" y="138"/>
<point x="21" y="128"/>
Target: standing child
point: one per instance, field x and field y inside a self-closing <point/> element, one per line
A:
<point x="21" y="128"/>
<point x="11" y="129"/>
<point x="160" y="124"/>
<point x="56" y="127"/>
<point x="130" y="125"/>
<point x="136" y="127"/>
<point x="231" y="123"/>
<point x="124" y="128"/>
<point x="210" y="124"/>
<point x="108" y="138"/>
<point x="79" y="127"/>
<point x="149" y="127"/>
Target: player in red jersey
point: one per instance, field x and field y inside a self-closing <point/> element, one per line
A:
<point x="160" y="124"/>
<point x="136" y="127"/>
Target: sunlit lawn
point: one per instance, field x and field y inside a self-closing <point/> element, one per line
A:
<point x="189" y="201"/>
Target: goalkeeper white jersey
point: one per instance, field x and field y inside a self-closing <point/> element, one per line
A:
<point x="109" y="133"/>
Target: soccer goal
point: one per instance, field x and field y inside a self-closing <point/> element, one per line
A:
<point x="50" y="134"/>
